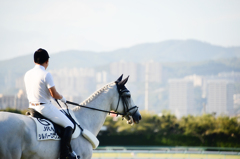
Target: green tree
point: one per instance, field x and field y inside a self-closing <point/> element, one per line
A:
<point x="227" y="125"/>
<point x="198" y="126"/>
<point x="12" y="110"/>
<point x="168" y="124"/>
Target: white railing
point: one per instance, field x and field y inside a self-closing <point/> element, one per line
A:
<point x="166" y="153"/>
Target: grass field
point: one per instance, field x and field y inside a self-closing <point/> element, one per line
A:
<point x="140" y="155"/>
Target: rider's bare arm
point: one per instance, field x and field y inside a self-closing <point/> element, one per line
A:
<point x="54" y="93"/>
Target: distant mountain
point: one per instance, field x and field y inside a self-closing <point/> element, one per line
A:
<point x="167" y="51"/>
<point x="176" y="51"/>
<point x="173" y="51"/>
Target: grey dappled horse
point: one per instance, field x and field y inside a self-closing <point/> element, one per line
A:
<point x="18" y="139"/>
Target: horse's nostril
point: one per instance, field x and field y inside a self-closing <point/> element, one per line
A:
<point x="140" y="117"/>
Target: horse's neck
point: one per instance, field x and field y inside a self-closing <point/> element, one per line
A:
<point x="93" y="120"/>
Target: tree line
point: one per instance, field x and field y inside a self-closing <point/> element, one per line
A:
<point x="167" y="130"/>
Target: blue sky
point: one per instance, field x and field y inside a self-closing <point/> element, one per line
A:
<point x="105" y="25"/>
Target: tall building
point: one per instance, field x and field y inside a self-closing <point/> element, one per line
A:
<point x="18" y="101"/>
<point x="220" y="97"/>
<point x="236" y="101"/>
<point x="154" y="71"/>
<point x="19" y="83"/>
<point x="102" y="78"/>
<point x="181" y="97"/>
<point x="75" y="81"/>
<point x="197" y="80"/>
<point x="126" y="68"/>
<point x="7" y="101"/>
<point x="21" y="101"/>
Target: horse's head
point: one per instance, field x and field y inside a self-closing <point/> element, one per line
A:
<point x="125" y="104"/>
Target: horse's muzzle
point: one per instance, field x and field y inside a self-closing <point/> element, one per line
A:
<point x="136" y="117"/>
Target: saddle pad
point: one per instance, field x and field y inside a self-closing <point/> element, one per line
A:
<point x="45" y="130"/>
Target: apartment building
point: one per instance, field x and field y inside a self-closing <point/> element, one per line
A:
<point x="18" y="101"/>
<point x="220" y="97"/>
<point x="181" y="97"/>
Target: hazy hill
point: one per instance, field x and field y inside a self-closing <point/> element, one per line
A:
<point x="176" y="51"/>
<point x="189" y="56"/>
<point x="167" y="51"/>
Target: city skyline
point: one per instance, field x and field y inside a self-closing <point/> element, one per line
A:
<point x="189" y="95"/>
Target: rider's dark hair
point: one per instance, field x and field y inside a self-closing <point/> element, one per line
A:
<point x="41" y="56"/>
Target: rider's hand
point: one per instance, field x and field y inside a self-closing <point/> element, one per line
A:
<point x="63" y="99"/>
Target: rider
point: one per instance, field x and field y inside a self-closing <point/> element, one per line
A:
<point x="40" y="88"/>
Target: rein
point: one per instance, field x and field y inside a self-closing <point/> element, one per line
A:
<point x="94" y="108"/>
<point x="126" y="113"/>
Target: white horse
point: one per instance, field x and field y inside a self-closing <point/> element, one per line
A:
<point x="18" y="132"/>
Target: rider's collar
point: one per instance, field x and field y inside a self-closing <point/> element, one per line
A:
<point x="39" y="66"/>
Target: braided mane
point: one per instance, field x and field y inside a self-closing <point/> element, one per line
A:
<point x="96" y="94"/>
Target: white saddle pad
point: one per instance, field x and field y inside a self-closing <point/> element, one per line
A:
<point x="46" y="130"/>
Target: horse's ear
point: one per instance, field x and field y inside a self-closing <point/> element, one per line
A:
<point x="119" y="79"/>
<point x="123" y="82"/>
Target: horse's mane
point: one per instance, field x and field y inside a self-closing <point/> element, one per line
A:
<point x="95" y="94"/>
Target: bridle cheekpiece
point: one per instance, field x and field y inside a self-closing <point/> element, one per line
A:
<point x="121" y="90"/>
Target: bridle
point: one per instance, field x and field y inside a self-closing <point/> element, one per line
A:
<point x="121" y="92"/>
<point x="126" y="110"/>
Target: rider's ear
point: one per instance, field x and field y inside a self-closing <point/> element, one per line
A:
<point x="123" y="82"/>
<point x="119" y="79"/>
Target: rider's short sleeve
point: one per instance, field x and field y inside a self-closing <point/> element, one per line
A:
<point x="49" y="80"/>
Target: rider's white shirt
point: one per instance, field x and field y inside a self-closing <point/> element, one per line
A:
<point x="37" y="82"/>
